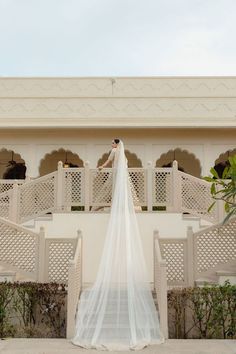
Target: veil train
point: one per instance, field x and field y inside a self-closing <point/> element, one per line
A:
<point x="118" y="312"/>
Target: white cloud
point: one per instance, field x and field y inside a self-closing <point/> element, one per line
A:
<point x="117" y="37"/>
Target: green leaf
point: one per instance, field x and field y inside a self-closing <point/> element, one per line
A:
<point x="225" y="172"/>
<point x="227" y="207"/>
<point x="214" y="173"/>
<point x="213" y="189"/>
<point x="210" y="207"/>
<point x="209" y="179"/>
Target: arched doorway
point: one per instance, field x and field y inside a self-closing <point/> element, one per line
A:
<point x="187" y="161"/>
<point x="12" y="166"/>
<point x="133" y="160"/>
<point x="222" y="161"/>
<point x="50" y="161"/>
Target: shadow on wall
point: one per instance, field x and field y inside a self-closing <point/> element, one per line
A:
<point x="222" y="161"/>
<point x="187" y="161"/>
<point x="49" y="163"/>
<point x="12" y="166"/>
<point x="133" y="160"/>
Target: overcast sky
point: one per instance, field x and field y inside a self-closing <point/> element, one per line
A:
<point x="117" y="37"/>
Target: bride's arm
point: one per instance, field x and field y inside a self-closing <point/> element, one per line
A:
<point x="110" y="159"/>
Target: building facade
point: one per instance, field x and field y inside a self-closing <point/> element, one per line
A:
<point x="188" y="119"/>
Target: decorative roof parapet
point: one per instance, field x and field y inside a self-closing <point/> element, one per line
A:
<point x="118" y="102"/>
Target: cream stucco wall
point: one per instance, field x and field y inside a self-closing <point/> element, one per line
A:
<point x="119" y="102"/>
<point x="91" y="144"/>
<point x="152" y="115"/>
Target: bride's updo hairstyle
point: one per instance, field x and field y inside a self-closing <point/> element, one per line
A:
<point x="117" y="141"/>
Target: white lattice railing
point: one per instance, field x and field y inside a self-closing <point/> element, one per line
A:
<point x="7" y="184"/>
<point x="91" y="189"/>
<point x="37" y="197"/>
<point x="160" y="284"/>
<point x="74" y="287"/>
<point x="200" y="254"/>
<point x="213" y="247"/>
<point x="196" y="197"/>
<point x="19" y="250"/>
<point x="32" y="255"/>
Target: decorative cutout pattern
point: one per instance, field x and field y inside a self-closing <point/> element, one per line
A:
<point x="6" y="185"/>
<point x="59" y="254"/>
<point x="196" y="197"/>
<point x="38" y="197"/>
<point x="73" y="186"/>
<point x="18" y="248"/>
<point x="215" y="246"/>
<point x="101" y="187"/>
<point x="5" y="205"/>
<point x="174" y="254"/>
<point x="138" y="180"/>
<point x="162" y="187"/>
<point x="102" y="184"/>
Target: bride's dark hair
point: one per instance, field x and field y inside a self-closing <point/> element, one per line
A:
<point x="117" y="141"/>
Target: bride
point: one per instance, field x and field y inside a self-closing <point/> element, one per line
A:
<point x="118" y="312"/>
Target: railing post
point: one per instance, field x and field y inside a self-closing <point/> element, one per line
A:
<point x="149" y="186"/>
<point x="155" y="238"/>
<point x="161" y="287"/>
<point x="176" y="188"/>
<point x="14" y="204"/>
<point x="87" y="186"/>
<point x="59" y="195"/>
<point x="71" y="293"/>
<point x="80" y="239"/>
<point x="163" y="299"/>
<point x="220" y="205"/>
<point x="72" y="298"/>
<point x="190" y="256"/>
<point x="41" y="256"/>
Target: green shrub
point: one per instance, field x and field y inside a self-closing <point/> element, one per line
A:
<point x="32" y="310"/>
<point x="207" y="312"/>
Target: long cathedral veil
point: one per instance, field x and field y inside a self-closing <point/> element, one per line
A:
<point x="118" y="312"/>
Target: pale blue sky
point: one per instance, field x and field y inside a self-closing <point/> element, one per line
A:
<point x="117" y="37"/>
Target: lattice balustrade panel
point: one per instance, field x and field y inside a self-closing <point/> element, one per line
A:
<point x="78" y="272"/>
<point x="73" y="186"/>
<point x="215" y="246"/>
<point x="38" y="197"/>
<point x="162" y="187"/>
<point x="174" y="253"/>
<point x="59" y="254"/>
<point x="196" y="196"/>
<point x="18" y="248"/>
<point x="5" y="185"/>
<point x="157" y="273"/>
<point x="138" y="182"/>
<point x="5" y="205"/>
<point x="101" y="187"/>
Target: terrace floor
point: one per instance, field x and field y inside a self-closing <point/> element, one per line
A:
<point x="171" y="346"/>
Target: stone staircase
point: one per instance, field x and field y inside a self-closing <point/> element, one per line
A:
<point x="227" y="272"/>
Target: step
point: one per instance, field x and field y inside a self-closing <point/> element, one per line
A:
<point x="205" y="281"/>
<point x="7" y="276"/>
<point x="224" y="275"/>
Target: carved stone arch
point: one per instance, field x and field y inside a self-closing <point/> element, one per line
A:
<point x="8" y="158"/>
<point x="225" y="155"/>
<point x="133" y="160"/>
<point x="187" y="161"/>
<point x="222" y="161"/>
<point x="50" y="161"/>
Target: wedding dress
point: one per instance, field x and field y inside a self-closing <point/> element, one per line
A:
<point x="118" y="312"/>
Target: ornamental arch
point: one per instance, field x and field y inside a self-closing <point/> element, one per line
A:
<point x="187" y="161"/>
<point x="50" y="161"/>
<point x="222" y="161"/>
<point x="12" y="165"/>
<point x="133" y="160"/>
